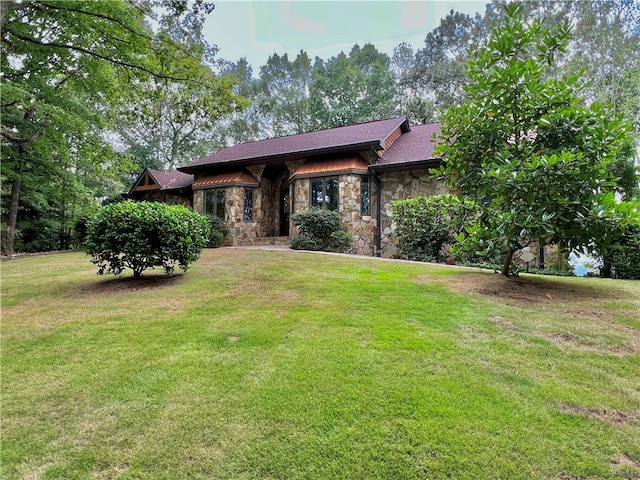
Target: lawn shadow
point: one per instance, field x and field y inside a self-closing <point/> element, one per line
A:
<point x="531" y="290"/>
<point x="129" y="284"/>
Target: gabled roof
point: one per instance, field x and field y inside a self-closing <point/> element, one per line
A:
<point x="359" y="137"/>
<point x="173" y="180"/>
<point x="415" y="146"/>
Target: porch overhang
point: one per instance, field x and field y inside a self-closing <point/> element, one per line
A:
<point x="241" y="179"/>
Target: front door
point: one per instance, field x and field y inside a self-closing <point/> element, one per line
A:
<point x="285" y="209"/>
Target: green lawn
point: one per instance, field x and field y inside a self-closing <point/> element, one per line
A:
<point x="281" y="365"/>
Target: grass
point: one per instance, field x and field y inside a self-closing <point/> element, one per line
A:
<point x="282" y="365"/>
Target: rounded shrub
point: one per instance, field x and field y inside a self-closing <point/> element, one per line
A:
<point x="144" y="235"/>
<point x="320" y="229"/>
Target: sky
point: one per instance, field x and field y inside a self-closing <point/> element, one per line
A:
<point x="257" y="29"/>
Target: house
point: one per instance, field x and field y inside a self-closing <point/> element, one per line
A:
<point x="173" y="188"/>
<point x="357" y="170"/>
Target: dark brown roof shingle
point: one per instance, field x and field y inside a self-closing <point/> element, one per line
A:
<point x="414" y="146"/>
<point x="371" y="134"/>
<point x="171" y="180"/>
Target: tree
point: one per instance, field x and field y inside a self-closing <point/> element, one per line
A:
<point x="357" y="88"/>
<point x="173" y="120"/>
<point x="240" y="126"/>
<point x="143" y="235"/>
<point x="284" y="93"/>
<point x="65" y="66"/>
<point x="528" y="150"/>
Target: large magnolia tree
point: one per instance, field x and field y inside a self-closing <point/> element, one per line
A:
<point x="528" y="149"/>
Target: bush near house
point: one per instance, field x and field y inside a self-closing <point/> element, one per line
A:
<point x="219" y="231"/>
<point x="143" y="235"/>
<point x="320" y="229"/>
<point x="426" y="227"/>
<point x="624" y="262"/>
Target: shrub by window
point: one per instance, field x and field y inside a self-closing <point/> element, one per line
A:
<point x="324" y="193"/>
<point x="214" y="201"/>
<point x="426" y="224"/>
<point x="320" y="229"/>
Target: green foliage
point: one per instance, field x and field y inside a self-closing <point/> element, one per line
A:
<point x="320" y="229"/>
<point x="70" y="71"/>
<point x="424" y="225"/>
<point x="352" y="89"/>
<point x="142" y="235"/>
<point x="341" y="241"/>
<point x="624" y="261"/>
<point x="284" y="93"/>
<point x="524" y="146"/>
<point x="218" y="231"/>
<point x="306" y="243"/>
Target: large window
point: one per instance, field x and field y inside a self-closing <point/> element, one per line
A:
<point x="365" y="196"/>
<point x="248" y="204"/>
<point x="324" y="192"/>
<point x="214" y="200"/>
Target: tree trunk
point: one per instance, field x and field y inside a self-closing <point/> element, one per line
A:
<point x="507" y="263"/>
<point x="12" y="219"/>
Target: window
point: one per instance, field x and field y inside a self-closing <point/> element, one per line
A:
<point x="365" y="197"/>
<point x="214" y="200"/>
<point x="324" y="192"/>
<point x="248" y="204"/>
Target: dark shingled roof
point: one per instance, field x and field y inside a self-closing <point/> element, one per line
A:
<point x="362" y="135"/>
<point x="171" y="180"/>
<point x="414" y="146"/>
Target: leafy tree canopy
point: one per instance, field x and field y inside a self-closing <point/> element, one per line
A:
<point x="527" y="148"/>
<point x="68" y="68"/>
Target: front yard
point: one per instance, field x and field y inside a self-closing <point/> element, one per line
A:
<point x="286" y="365"/>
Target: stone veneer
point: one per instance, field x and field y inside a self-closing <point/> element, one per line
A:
<point x="401" y="186"/>
<point x="362" y="227"/>
<point x="165" y="197"/>
<point x="394" y="186"/>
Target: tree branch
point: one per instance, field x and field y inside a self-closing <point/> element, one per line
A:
<point x="19" y="140"/>
<point x="114" y="61"/>
<point x="97" y="15"/>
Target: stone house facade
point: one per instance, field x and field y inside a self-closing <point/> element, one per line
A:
<point x="357" y="170"/>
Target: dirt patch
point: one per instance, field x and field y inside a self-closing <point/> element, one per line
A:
<point x="528" y="290"/>
<point x="290" y="295"/>
<point x="569" y="340"/>
<point x="124" y="285"/>
<point x="610" y="416"/>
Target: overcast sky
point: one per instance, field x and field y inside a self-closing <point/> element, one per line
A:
<point x="257" y="29"/>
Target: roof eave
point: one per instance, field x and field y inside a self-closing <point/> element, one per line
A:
<point x="354" y="147"/>
<point x="404" y="166"/>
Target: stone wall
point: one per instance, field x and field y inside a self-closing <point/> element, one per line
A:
<point x="265" y="195"/>
<point x="362" y="227"/>
<point x="198" y="201"/>
<point x="165" y="197"/>
<point x="401" y="186"/>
